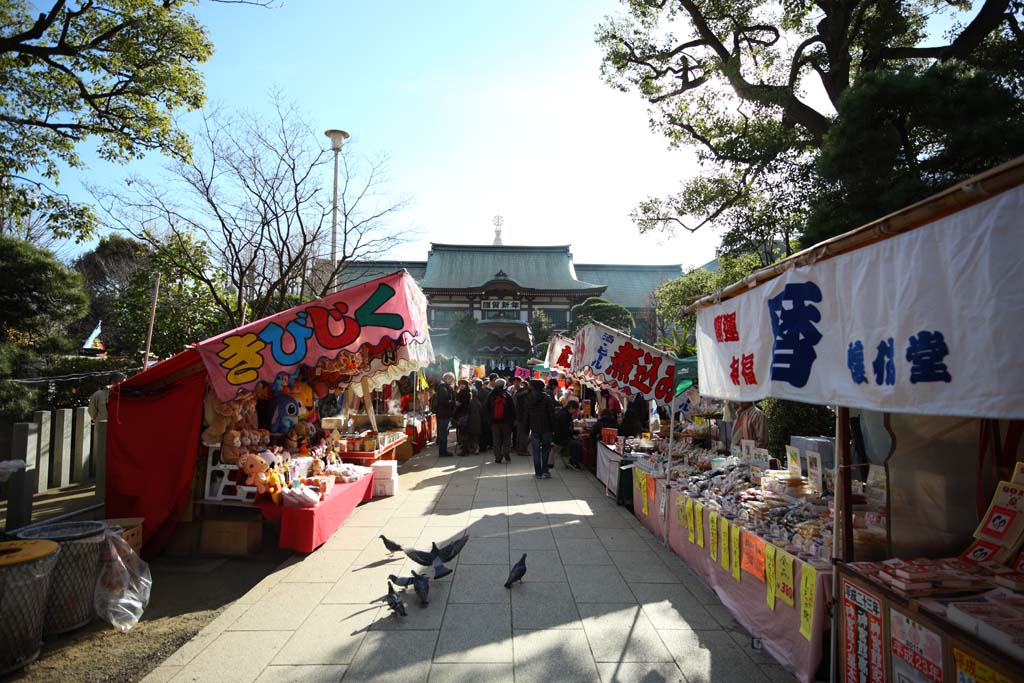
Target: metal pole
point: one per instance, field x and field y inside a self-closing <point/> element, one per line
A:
<point x="334" y="223"/>
<point x="152" y="319"/>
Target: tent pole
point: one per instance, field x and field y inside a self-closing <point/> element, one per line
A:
<point x="842" y="521"/>
<point x="368" y="402"/>
<point x="668" y="459"/>
<point x="152" y="319"/>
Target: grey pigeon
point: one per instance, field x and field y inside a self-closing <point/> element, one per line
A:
<point x="518" y="572"/>
<point x="400" y="581"/>
<point x="391" y="545"/>
<point x="450" y="550"/>
<point x="421" y="583"/>
<point x="395" y="603"/>
<point x="421" y="558"/>
<point x="440" y="571"/>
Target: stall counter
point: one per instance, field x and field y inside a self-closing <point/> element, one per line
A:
<point x="306" y="529"/>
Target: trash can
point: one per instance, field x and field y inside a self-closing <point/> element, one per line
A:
<point x="74" y="578"/>
<point x="26" y="568"/>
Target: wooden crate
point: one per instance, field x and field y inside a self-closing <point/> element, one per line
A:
<point x="132" y="533"/>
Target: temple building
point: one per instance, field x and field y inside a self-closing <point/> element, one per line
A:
<point x="505" y="286"/>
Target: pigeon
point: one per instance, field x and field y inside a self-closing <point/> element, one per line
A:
<point x="440" y="571"/>
<point x="395" y="603"/>
<point x="449" y="551"/>
<point x="421" y="584"/>
<point x="391" y="545"/>
<point x="400" y="581"/>
<point x="518" y="572"/>
<point x="421" y="558"/>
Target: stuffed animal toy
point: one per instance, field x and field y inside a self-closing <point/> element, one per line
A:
<point x="291" y="439"/>
<point x="231" y="447"/>
<point x="255" y="469"/>
<point x="285" y="413"/>
<point x="218" y="418"/>
<point x="263" y="437"/>
<point x="274" y="487"/>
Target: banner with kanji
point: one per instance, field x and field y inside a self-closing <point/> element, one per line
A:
<point x="379" y="326"/>
<point x="609" y="359"/>
<point x="560" y="352"/>
<point x="923" y="322"/>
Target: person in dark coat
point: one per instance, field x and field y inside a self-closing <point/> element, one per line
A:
<point x="442" y="404"/>
<point x="501" y="410"/>
<point x="483" y="392"/>
<point x="540" y="411"/>
<point x="565" y="435"/>
<point x="467" y="420"/>
<point x="523" y="420"/>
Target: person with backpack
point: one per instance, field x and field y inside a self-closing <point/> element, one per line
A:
<point x="501" y="410"/>
<point x="442" y="404"/>
<point x="540" y="410"/>
<point x="522" y="390"/>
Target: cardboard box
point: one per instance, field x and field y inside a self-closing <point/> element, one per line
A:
<point x="132" y="533"/>
<point x="403" y="451"/>
<point x="236" y="536"/>
<point x="184" y="540"/>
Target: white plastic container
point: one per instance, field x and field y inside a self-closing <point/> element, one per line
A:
<point x="385" y="478"/>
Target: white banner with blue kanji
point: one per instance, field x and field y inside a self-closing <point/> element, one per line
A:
<point x="930" y="322"/>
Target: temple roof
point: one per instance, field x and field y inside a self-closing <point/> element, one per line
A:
<point x="629" y="286"/>
<point x="459" y="266"/>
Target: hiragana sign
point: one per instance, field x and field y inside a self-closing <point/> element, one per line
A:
<point x="610" y="359"/>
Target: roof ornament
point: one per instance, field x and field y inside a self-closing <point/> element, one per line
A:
<point x="498" y="222"/>
<point x="501" y="274"/>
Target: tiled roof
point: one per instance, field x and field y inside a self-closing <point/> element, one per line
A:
<point x="629" y="286"/>
<point x="452" y="266"/>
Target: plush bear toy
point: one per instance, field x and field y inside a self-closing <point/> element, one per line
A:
<point x="231" y="447"/>
<point x="285" y="414"/>
<point x="217" y="416"/>
<point x="255" y="469"/>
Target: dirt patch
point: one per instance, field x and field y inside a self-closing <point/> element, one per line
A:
<point x="187" y="595"/>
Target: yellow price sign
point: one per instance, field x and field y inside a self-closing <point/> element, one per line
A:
<point x="769" y="573"/>
<point x="737" y="551"/>
<point x="785" y="589"/>
<point x="723" y="534"/>
<point x="808" y="594"/>
<point x="690" y="531"/>
<point x="713" y="533"/>
<point x="699" y="521"/>
<point x="680" y="510"/>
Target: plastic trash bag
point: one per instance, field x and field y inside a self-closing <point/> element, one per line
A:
<point x="123" y="584"/>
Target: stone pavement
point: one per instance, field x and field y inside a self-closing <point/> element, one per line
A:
<point x="602" y="599"/>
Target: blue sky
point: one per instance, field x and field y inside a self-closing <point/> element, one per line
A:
<point x="483" y="108"/>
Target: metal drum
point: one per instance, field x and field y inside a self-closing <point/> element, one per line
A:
<point x="74" y="578"/>
<point x="26" y="568"/>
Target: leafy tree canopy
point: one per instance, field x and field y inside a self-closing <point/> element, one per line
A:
<point x="38" y="295"/>
<point x="542" y="327"/>
<point x="113" y="71"/>
<point x="464" y="336"/>
<point x="798" y="109"/>
<point x="603" y="311"/>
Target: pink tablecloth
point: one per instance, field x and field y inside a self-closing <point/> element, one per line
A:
<point x="779" y="629"/>
<point x="306" y="529"/>
<point x="654" y="519"/>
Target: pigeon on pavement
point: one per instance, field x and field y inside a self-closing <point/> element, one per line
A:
<point x="391" y="545"/>
<point x="518" y="572"/>
<point x="400" y="581"/>
<point x="431" y="559"/>
<point x="449" y="551"/>
<point x="395" y="603"/>
<point x="421" y="583"/>
<point x="440" y="571"/>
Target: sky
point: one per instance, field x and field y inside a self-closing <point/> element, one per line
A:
<point x="482" y="108"/>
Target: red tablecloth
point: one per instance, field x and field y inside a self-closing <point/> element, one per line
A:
<point x="306" y="529"/>
<point x="779" y="629"/>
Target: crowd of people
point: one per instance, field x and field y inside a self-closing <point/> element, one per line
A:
<point x="527" y="417"/>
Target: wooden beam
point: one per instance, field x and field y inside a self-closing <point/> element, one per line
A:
<point x="843" y="516"/>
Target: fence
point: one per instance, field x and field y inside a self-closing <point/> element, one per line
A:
<point x="60" y="448"/>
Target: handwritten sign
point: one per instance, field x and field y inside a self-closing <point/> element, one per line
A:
<point x="753" y="556"/>
<point x="863" y="655"/>
<point x="785" y="588"/>
<point x="814" y="471"/>
<point x="522" y="373"/>
<point x="681" y="510"/>
<point x="793" y="461"/>
<point x="723" y="534"/>
<point x="713" y="533"/>
<point x="769" y="574"/>
<point x="737" y="551"/>
<point x="690" y="531"/>
<point x="699" y="521"/>
<point x="643" y="494"/>
<point x="808" y="594"/>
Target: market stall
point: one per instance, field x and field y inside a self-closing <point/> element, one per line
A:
<point x="912" y="319"/>
<point x="238" y="412"/>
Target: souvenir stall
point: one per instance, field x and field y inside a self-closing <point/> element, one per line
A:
<point x="605" y="358"/>
<point x="912" y="321"/>
<point x="559" y="361"/>
<point x="232" y="422"/>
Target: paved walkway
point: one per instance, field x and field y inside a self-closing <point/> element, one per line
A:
<point x="602" y="600"/>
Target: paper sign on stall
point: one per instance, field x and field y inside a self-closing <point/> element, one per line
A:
<point x="970" y="669"/>
<point x="814" y="471"/>
<point x="753" y="556"/>
<point x="761" y="459"/>
<point x="698" y="514"/>
<point x="785" y="589"/>
<point x="681" y="513"/>
<point x="713" y="535"/>
<point x="793" y="461"/>
<point x="746" y="451"/>
<point x="691" y="534"/>
<point x="769" y="574"/>
<point x="916" y="650"/>
<point x="651" y="488"/>
<point x="723" y="553"/>
<point x="737" y="551"/>
<point x="808" y="594"/>
<point x="1003" y="523"/>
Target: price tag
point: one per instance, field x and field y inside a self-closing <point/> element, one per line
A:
<point x="785" y="589"/>
<point x="814" y="471"/>
<point x="747" y="450"/>
<point x="713" y="535"/>
<point x="699" y="521"/>
<point x="808" y="594"/>
<point x="690" y="531"/>
<point x="723" y="534"/>
<point x="737" y="551"/>
<point x="681" y="510"/>
<point x="793" y="461"/>
<point x="769" y="574"/>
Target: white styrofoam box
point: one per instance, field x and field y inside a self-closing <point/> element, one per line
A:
<point x="384" y="487"/>
<point x="385" y="477"/>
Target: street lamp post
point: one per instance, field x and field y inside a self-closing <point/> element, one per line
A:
<point x="338" y="138"/>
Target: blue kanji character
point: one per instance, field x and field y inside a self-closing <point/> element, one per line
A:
<point x="884" y="364"/>
<point x="795" y="334"/>
<point x="273" y="335"/>
<point x="926" y="352"/>
<point x="602" y="352"/>
<point x="855" y="361"/>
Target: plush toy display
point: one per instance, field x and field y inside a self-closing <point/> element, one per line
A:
<point x="217" y="417"/>
<point x="255" y="469"/>
<point x="231" y="447"/>
<point x="285" y="414"/>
